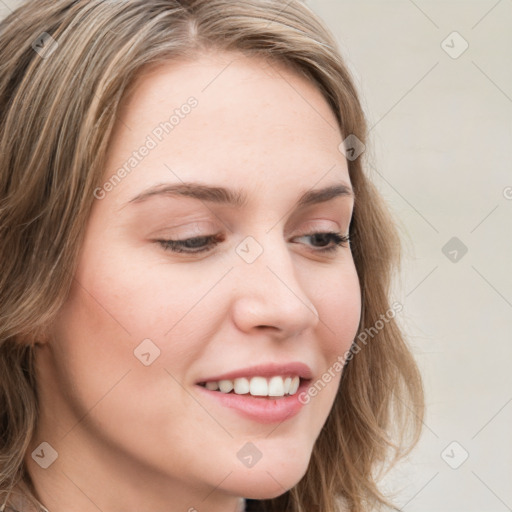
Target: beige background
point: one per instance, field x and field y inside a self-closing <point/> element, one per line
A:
<point x="441" y="153"/>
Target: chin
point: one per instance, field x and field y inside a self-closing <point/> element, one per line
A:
<point x="265" y="487"/>
<point x="266" y="482"/>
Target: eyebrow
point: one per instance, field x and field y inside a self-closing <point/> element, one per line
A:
<point x="237" y="198"/>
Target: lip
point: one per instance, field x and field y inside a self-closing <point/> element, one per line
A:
<point x="265" y="370"/>
<point x="260" y="409"/>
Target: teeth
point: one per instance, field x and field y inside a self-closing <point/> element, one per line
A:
<point x="294" y="385"/>
<point x="257" y="386"/>
<point x="276" y="386"/>
<point x="225" y="385"/>
<point x="242" y="386"/>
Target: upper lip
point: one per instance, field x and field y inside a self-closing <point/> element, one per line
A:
<point x="265" y="370"/>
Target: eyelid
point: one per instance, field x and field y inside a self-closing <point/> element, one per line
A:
<point x="188" y="230"/>
<point x="314" y="225"/>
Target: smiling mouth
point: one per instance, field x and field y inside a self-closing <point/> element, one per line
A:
<point x="259" y="387"/>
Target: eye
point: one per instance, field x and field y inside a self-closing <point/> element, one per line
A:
<point x="192" y="245"/>
<point x="329" y="242"/>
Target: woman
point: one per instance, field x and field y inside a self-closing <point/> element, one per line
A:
<point x="195" y="267"/>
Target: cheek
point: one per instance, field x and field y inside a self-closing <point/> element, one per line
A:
<point x="141" y="291"/>
<point x="117" y="302"/>
<point x="93" y="365"/>
<point x="337" y="298"/>
<point x="339" y="307"/>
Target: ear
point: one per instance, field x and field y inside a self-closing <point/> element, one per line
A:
<point x="40" y="336"/>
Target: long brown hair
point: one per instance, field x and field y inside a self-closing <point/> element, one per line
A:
<point x="65" y="66"/>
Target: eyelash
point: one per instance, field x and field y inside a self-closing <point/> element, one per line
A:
<point x="179" y="246"/>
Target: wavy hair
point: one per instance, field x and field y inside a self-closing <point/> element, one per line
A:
<point x="57" y="114"/>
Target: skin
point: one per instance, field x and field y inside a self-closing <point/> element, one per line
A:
<point x="135" y="437"/>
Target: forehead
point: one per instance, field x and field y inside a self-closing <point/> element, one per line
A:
<point x="254" y="125"/>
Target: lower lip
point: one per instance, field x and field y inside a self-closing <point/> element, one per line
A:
<point x="261" y="409"/>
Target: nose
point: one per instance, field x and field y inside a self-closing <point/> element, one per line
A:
<point x="271" y="295"/>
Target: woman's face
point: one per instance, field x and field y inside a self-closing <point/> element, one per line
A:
<point x="144" y="325"/>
